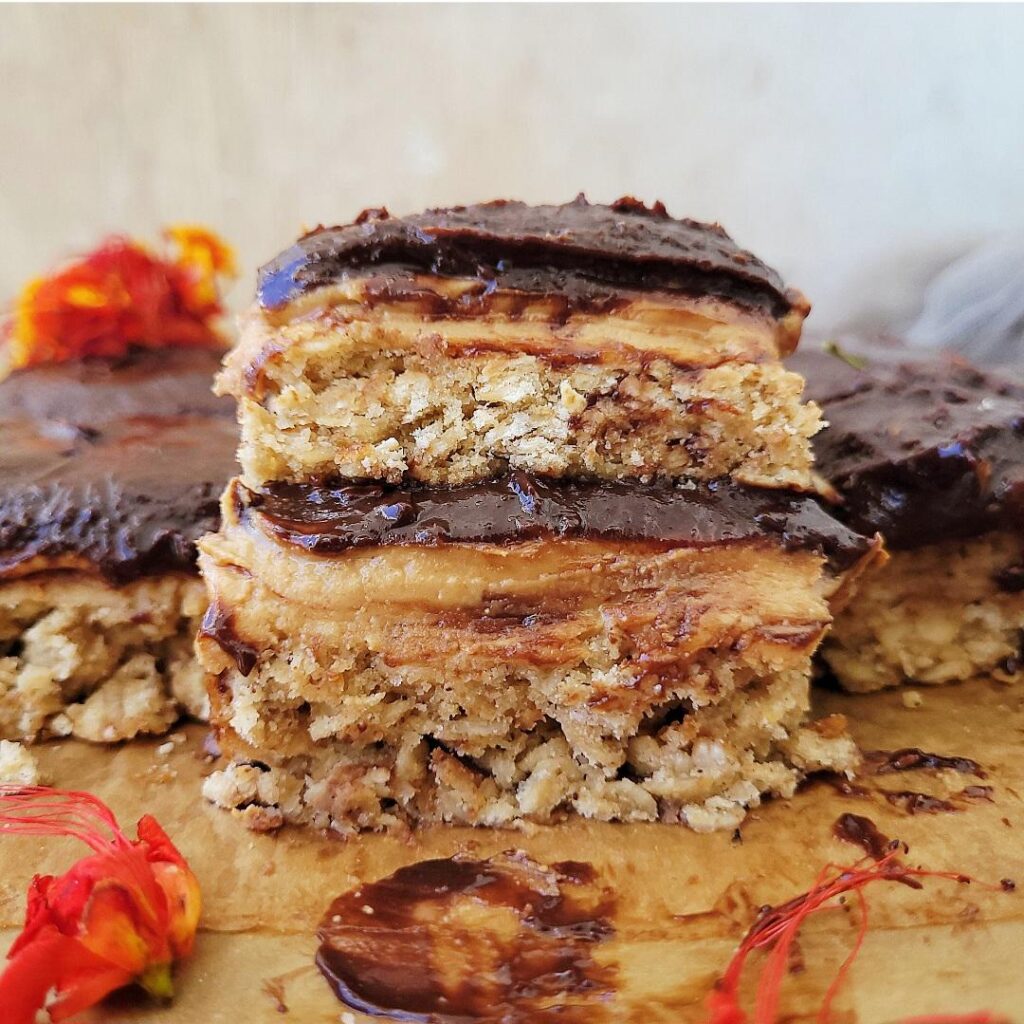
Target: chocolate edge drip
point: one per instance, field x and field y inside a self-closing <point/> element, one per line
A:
<point x="327" y="520"/>
<point x="583" y="252"/>
<point x="219" y="626"/>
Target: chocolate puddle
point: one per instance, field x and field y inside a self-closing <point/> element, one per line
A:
<point x="505" y="939"/>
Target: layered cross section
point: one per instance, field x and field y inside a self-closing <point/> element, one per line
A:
<point x="524" y="528"/>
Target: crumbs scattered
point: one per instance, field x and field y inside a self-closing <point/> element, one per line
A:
<point x="160" y="773"/>
<point x="165" y="749"/>
<point x="912" y="699"/>
<point x="17" y="764"/>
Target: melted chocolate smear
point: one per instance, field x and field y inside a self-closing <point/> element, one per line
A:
<point x="883" y="762"/>
<point x="919" y="803"/>
<point x="844" y="786"/>
<point x="273" y="988"/>
<point x="863" y="832"/>
<point x="505" y="939"/>
<point x="921" y="451"/>
<point x="978" y="793"/>
<point x="518" y="507"/>
<point x="219" y="625"/>
<point x="582" y="253"/>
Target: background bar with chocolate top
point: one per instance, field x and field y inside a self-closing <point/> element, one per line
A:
<point x="113" y="452"/>
<point x="929" y="452"/>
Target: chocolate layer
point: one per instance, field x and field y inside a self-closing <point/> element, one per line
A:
<point x="921" y="450"/>
<point x="580" y="251"/>
<point x="331" y="519"/>
<point x="113" y="467"/>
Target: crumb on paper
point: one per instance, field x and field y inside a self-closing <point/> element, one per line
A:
<point x="912" y="698"/>
<point x="347" y="1018"/>
<point x="17" y="765"/>
<point x="165" y="749"/>
<point x="160" y="773"/>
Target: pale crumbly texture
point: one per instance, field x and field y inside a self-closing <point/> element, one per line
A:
<point x="932" y="615"/>
<point x="17" y="765"/>
<point x="79" y="657"/>
<point x="347" y="383"/>
<point x="705" y="769"/>
<point x="449" y="419"/>
<point x="598" y="669"/>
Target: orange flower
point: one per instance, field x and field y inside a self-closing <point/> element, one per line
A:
<point x="121" y="296"/>
<point x="120" y="915"/>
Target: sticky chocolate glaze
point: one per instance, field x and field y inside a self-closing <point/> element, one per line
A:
<point x="119" y="464"/>
<point x="921" y="450"/>
<point x="399" y="948"/>
<point x="327" y="520"/>
<point x="863" y="832"/>
<point x="584" y="252"/>
<point x="910" y="759"/>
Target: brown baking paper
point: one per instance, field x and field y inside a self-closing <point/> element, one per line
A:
<point x="683" y="901"/>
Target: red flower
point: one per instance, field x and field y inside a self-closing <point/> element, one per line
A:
<point x="776" y="932"/>
<point x="121" y="915"/>
<point x="120" y="296"/>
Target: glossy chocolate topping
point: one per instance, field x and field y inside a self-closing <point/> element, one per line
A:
<point x="505" y="939"/>
<point x="118" y="466"/>
<point x="921" y="451"/>
<point x="581" y="251"/>
<point x="516" y="507"/>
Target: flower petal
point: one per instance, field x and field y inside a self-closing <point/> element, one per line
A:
<point x="58" y="973"/>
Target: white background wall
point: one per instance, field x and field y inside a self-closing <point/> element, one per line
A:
<point x="855" y="147"/>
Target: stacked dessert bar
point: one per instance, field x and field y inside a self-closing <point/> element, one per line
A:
<point x="929" y="452"/>
<point x="113" y="454"/>
<point x="523" y="527"/>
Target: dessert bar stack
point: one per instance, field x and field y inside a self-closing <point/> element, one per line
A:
<point x="929" y="452"/>
<point x="524" y="527"/>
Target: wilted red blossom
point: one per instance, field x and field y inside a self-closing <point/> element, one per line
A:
<point x="121" y="296"/>
<point x="776" y="931"/>
<point x="121" y="915"/>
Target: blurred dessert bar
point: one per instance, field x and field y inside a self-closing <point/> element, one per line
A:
<point x="113" y="453"/>
<point x="929" y="452"/>
<point x="522" y="529"/>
